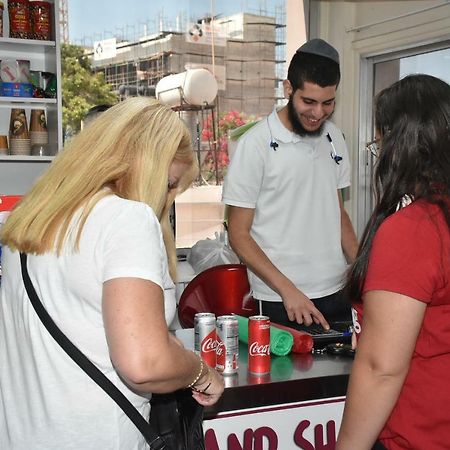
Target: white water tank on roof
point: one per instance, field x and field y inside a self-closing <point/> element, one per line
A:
<point x="195" y="87"/>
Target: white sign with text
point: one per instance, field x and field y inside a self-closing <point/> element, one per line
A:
<point x="105" y="49"/>
<point x="311" y="425"/>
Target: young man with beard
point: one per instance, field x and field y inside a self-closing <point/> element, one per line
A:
<point x="286" y="218"/>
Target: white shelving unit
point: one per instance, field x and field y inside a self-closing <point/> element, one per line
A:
<point x="18" y="173"/>
<point x="12" y="102"/>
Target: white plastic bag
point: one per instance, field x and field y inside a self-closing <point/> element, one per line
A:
<point x="212" y="252"/>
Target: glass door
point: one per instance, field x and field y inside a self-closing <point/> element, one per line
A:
<point x="377" y="73"/>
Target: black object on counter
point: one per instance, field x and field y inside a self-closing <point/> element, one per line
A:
<point x="341" y="349"/>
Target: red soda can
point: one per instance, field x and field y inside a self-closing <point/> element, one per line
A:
<point x="227" y="351"/>
<point x="259" y="344"/>
<point x="205" y="341"/>
<point x="258" y="378"/>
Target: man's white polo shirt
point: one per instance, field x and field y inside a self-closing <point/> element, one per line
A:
<point x="293" y="189"/>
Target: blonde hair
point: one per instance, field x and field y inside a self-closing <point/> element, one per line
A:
<point x="128" y="149"/>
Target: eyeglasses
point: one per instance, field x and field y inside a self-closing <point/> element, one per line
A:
<point x="373" y="147"/>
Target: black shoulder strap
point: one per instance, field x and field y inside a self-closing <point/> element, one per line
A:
<point x="153" y="439"/>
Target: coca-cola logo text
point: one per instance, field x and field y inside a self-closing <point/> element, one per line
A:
<point x="259" y="350"/>
<point x="209" y="345"/>
<point x="220" y="348"/>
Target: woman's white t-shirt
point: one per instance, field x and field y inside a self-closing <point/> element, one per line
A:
<point x="48" y="402"/>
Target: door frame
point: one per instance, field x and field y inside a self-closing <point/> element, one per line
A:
<point x="366" y="125"/>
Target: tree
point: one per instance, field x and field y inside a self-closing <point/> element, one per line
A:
<point x="81" y="87"/>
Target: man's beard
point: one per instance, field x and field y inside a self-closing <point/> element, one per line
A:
<point x="297" y="125"/>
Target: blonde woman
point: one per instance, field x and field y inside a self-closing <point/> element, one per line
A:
<point x="100" y="253"/>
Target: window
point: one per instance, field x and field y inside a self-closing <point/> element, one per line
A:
<point x="380" y="72"/>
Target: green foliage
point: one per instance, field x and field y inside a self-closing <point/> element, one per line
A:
<point x="81" y="87"/>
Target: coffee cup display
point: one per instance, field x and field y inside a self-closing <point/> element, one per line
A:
<point x="38" y="129"/>
<point x="4" y="145"/>
<point x="19" y="138"/>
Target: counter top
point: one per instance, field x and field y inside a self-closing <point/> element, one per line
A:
<point x="293" y="378"/>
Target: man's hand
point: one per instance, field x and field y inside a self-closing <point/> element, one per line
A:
<point x="301" y="309"/>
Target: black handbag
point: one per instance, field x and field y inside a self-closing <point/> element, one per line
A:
<point x="176" y="419"/>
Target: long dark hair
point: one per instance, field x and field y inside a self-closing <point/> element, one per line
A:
<point x="412" y="118"/>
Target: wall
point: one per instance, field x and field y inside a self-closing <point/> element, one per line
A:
<point x="362" y="29"/>
<point x="295" y="27"/>
<point x="200" y="213"/>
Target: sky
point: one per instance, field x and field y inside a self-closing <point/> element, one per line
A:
<point x="94" y="20"/>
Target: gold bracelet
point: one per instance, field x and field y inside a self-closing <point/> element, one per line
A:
<point x="202" y="366"/>
<point x="209" y="381"/>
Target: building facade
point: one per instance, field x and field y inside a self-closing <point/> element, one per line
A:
<point x="244" y="51"/>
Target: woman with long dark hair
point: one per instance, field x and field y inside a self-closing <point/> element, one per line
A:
<point x="400" y="282"/>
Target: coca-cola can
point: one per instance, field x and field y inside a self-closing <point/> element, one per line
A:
<point x="231" y="380"/>
<point x="258" y="378"/>
<point x="205" y="341"/>
<point x="259" y="344"/>
<point x="227" y="351"/>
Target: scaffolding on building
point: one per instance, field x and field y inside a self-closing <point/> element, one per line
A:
<point x="64" y="21"/>
<point x="247" y="60"/>
<point x="250" y="67"/>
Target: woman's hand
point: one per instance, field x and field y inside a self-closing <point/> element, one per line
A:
<point x="209" y="389"/>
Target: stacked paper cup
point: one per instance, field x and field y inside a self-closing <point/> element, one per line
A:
<point x="4" y="145"/>
<point x="19" y="138"/>
<point x="38" y="133"/>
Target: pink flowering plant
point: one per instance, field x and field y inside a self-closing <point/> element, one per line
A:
<point x="217" y="159"/>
